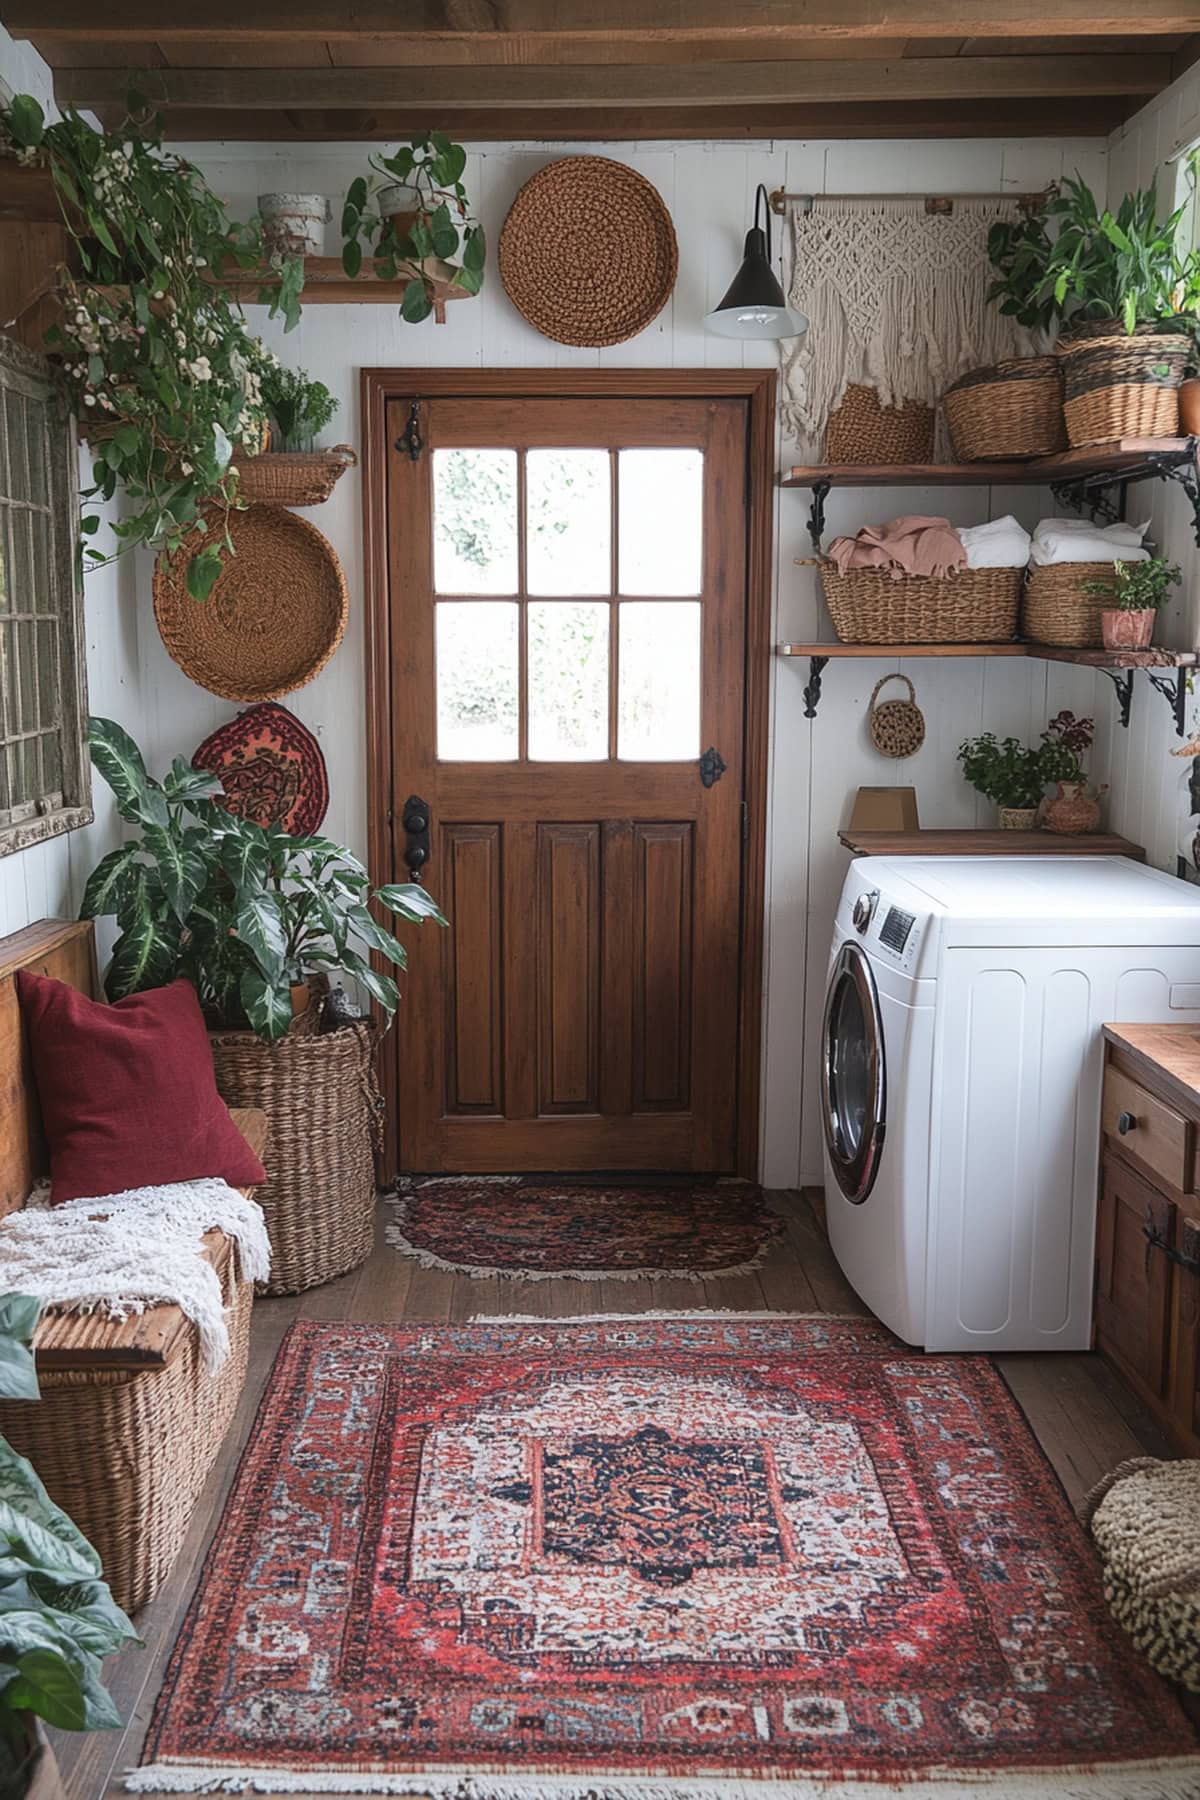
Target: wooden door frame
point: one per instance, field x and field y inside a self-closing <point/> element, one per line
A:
<point x="758" y="388"/>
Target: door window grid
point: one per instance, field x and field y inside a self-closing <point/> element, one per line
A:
<point x="574" y="690"/>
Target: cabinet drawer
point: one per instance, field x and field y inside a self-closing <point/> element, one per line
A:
<point x="1160" y="1138"/>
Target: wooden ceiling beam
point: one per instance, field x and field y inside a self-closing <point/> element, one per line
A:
<point x="707" y="84"/>
<point x="776" y="20"/>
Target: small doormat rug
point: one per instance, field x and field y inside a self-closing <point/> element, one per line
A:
<point x="652" y="1559"/>
<point x="537" y="1227"/>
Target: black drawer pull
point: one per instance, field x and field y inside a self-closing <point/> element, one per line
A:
<point x="1156" y="1241"/>
<point x="1126" y="1122"/>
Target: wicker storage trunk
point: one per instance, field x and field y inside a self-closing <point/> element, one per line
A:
<point x="1055" y="609"/>
<point x="1008" y="409"/>
<point x="862" y="430"/>
<point x="319" y="1093"/>
<point x="126" y="1451"/>
<point x="1115" y="387"/>
<point x="976" y="606"/>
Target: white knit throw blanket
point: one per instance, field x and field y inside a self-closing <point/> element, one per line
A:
<point x="124" y="1252"/>
<point x="896" y="300"/>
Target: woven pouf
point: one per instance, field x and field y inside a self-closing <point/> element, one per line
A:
<point x="1145" y="1518"/>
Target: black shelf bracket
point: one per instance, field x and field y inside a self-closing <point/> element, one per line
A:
<point x="1122" y="680"/>
<point x="1174" y="687"/>
<point x="1180" y="466"/>
<point x="812" y="687"/>
<point x="816" y="522"/>
<point x="1094" y="492"/>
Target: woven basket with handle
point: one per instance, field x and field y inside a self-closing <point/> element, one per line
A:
<point x="862" y="430"/>
<point x="1115" y="387"/>
<point x="1009" y="409"/>
<point x="975" y="606"/>
<point x="896" y="727"/>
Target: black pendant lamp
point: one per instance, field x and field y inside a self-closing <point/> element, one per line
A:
<point x="754" y="306"/>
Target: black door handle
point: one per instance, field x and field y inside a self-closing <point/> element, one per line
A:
<point x="1126" y="1122"/>
<point x="415" y="820"/>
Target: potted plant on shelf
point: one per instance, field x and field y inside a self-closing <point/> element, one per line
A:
<point x="1136" y="592"/>
<point x="161" y="370"/>
<point x="292" y="472"/>
<point x="1073" y="810"/>
<point x="1006" y="772"/>
<point x="59" y="1619"/>
<point x="254" y="918"/>
<point x="413" y="214"/>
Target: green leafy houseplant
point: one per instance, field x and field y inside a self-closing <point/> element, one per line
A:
<point x="1136" y="586"/>
<point x="438" y="228"/>
<point x="155" y="352"/>
<point x="1003" y="770"/>
<point x="244" y="912"/>
<point x="58" y="1619"/>
<point x="299" y="407"/>
<point x="1064" y="742"/>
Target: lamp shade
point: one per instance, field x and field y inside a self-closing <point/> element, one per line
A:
<point x="754" y="305"/>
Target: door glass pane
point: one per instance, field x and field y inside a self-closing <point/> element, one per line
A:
<point x="475" y="521"/>
<point x="661" y="520"/>
<point x="568" y="512"/>
<point x="658" y="715"/>
<point x="568" y="680"/>
<point x="477" y="684"/>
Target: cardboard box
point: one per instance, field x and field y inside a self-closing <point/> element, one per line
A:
<point x="884" y="809"/>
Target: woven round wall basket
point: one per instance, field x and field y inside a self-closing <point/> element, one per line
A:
<point x="1143" y="1519"/>
<point x="1012" y="408"/>
<point x="862" y="430"/>
<point x="896" y="727"/>
<point x="275" y="616"/>
<point x="588" y="253"/>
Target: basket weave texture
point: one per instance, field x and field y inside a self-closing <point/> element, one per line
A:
<point x="126" y="1451"/>
<point x="319" y="1093"/>
<point x="588" y="253"/>
<point x="1144" y="1526"/>
<point x="975" y="606"/>
<point x="896" y="727"/>
<point x="1055" y="609"/>
<point x="862" y="430"/>
<point x="1116" y="387"/>
<point x="275" y="616"/>
<point x="1008" y="409"/>
<point x="293" y="478"/>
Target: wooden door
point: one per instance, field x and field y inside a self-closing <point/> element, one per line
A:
<point x="567" y="584"/>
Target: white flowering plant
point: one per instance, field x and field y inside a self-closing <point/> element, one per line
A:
<point x="162" y="371"/>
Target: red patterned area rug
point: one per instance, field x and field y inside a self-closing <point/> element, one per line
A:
<point x="537" y="1227"/>
<point x="698" y="1558"/>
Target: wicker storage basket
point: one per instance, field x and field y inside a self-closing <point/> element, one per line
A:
<point x="1115" y="387"/>
<point x="126" y="1451"/>
<point x="976" y="606"/>
<point x="293" y="478"/>
<point x="1055" y="609"/>
<point x="319" y="1093"/>
<point x="1008" y="409"/>
<point x="861" y="430"/>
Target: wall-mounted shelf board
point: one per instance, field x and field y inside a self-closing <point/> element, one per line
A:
<point x="326" y="283"/>
<point x="933" y="842"/>
<point x="828" y="650"/>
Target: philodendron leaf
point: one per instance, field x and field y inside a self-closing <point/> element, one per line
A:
<point x="32" y="1524"/>
<point x="119" y="760"/>
<point x="408" y="901"/>
<point x="185" y="783"/>
<point x="380" y="987"/>
<point x="202" y="572"/>
<point x="245" y="857"/>
<point x="372" y="932"/>
<point x="18" y="1321"/>
<point x="181" y="867"/>
<point x="144" y="956"/>
<point x="267" y="1004"/>
<point x="70" y="1698"/>
<point x="109" y="882"/>
<point x="260" y="927"/>
<point x="415" y="304"/>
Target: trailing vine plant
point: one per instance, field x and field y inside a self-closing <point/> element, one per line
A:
<point x="438" y="226"/>
<point x="162" y="372"/>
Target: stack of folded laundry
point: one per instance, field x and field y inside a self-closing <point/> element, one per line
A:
<point x="1081" y="540"/>
<point x="917" y="545"/>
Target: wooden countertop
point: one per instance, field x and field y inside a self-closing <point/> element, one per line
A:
<point x="988" y="843"/>
<point x="1168" y="1054"/>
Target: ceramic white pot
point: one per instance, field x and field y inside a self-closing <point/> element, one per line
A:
<point x="294" y="224"/>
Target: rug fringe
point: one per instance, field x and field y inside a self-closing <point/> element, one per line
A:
<point x="1128" y="1781"/>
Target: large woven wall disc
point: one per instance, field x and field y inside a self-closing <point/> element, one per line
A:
<point x="588" y="252"/>
<point x="275" y="616"/>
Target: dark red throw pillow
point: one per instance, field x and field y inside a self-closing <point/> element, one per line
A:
<point x="127" y="1091"/>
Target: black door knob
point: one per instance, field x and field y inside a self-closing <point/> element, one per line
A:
<point x="1126" y="1122"/>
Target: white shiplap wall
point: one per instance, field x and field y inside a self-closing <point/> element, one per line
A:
<point x="815" y="766"/>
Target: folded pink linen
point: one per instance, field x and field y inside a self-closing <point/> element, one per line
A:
<point x="912" y="545"/>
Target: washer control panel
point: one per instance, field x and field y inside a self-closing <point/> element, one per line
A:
<point x="864" y="910"/>
<point x="896" y="929"/>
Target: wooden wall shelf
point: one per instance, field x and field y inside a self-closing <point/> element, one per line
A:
<point x="927" y="842"/>
<point x="326" y="283"/>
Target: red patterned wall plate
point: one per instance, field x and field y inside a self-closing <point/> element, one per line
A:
<point x="271" y="766"/>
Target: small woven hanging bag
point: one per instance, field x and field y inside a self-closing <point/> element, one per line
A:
<point x="896" y="727"/>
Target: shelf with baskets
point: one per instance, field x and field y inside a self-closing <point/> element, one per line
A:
<point x="1169" y="672"/>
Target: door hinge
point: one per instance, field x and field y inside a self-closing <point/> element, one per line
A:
<point x="410" y="439"/>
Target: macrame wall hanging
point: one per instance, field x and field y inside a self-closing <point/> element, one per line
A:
<point x="896" y="298"/>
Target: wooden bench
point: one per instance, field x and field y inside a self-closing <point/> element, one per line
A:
<point x="129" y="1423"/>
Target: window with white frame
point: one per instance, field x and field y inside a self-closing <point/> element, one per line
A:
<point x="44" y="778"/>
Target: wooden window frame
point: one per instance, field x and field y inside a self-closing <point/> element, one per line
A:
<point x="25" y="372"/>
<point x="757" y="387"/>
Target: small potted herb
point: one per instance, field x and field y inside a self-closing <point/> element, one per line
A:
<point x="1135" y="592"/>
<point x="1008" y="772"/>
<point x="299" y="407"/>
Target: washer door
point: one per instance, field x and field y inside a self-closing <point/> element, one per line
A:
<point x="853" y="1078"/>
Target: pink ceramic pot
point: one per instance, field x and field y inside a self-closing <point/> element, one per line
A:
<point x="1127" y="630"/>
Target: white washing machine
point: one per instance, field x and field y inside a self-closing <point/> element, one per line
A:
<point x="961" y="1070"/>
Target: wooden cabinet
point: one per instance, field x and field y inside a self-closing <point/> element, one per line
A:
<point x="1147" y="1307"/>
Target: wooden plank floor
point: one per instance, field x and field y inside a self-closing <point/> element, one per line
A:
<point x="1083" y="1416"/>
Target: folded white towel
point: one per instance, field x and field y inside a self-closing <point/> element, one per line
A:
<point x="1081" y="540"/>
<point x="1000" y="544"/>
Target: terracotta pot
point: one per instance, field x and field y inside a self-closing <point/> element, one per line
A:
<point x="1018" y="818"/>
<point x="1072" y="811"/>
<point x="1189" y="406"/>
<point x="1122" y="630"/>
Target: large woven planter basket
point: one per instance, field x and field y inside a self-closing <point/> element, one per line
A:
<point x="319" y="1093"/>
<point x="975" y="606"/>
<point x="1115" y="387"/>
<point x="1055" y="609"/>
<point x="1008" y="409"/>
<point x="862" y="430"/>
